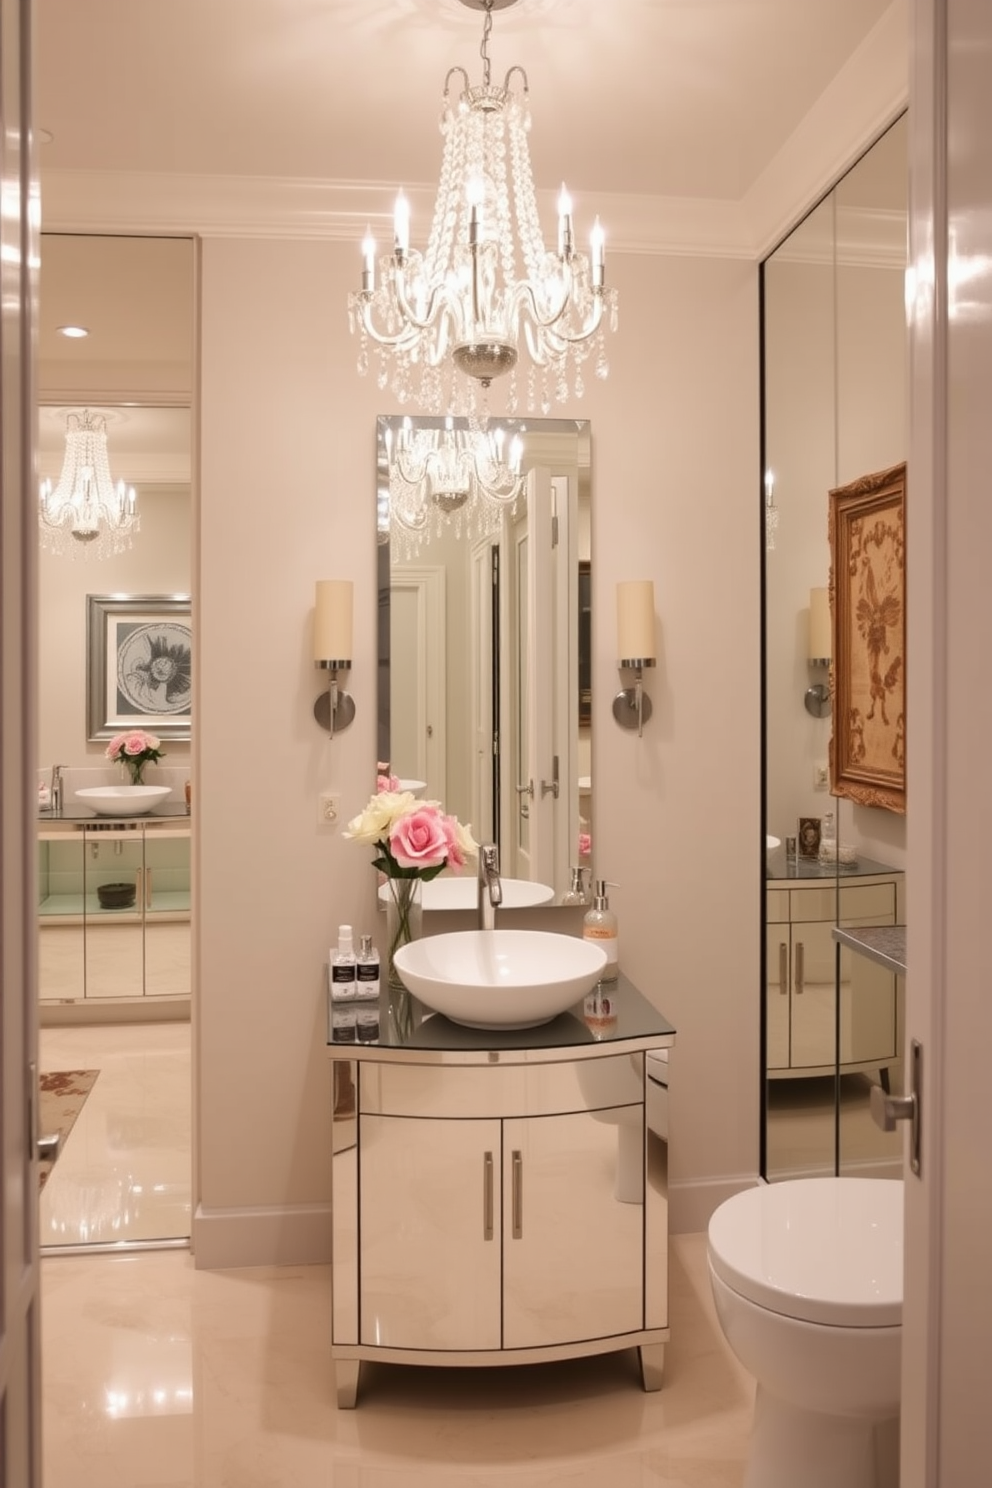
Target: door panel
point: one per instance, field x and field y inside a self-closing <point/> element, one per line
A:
<point x="430" y="1227"/>
<point x="573" y="1223"/>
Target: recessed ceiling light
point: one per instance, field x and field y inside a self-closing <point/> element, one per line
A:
<point x="73" y="332"/>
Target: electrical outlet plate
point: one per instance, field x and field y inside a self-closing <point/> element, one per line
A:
<point x="328" y="808"/>
<point x="821" y="775"/>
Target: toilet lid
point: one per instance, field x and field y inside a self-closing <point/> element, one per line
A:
<point x="656" y="1061"/>
<point x="825" y="1250"/>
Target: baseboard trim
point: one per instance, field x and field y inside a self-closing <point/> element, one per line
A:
<point x="292" y="1235"/>
<point x="691" y="1204"/>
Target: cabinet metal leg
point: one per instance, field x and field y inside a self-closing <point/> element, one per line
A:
<point x="346" y="1382"/>
<point x="652" y="1357"/>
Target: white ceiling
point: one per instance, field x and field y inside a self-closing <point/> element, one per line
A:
<point x="669" y="98"/>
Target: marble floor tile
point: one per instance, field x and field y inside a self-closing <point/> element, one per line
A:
<point x="125" y="1171"/>
<point x="156" y="1375"/>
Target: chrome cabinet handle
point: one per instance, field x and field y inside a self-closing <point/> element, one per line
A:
<point x="487" y="1196"/>
<point x="800" y="966"/>
<point x="518" y="1196"/>
<point x="783" y="968"/>
<point x="552" y="784"/>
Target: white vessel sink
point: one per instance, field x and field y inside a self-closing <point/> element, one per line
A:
<point x="500" y="978"/>
<point x="772" y="842"/>
<point x="122" y="800"/>
<point x="461" y="893"/>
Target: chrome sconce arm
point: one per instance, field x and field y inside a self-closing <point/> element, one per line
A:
<point x="335" y="708"/>
<point x="632" y="706"/>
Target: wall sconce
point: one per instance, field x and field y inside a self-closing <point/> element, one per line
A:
<point x="334" y="709"/>
<point x="635" y="643"/>
<point x="819" y="650"/>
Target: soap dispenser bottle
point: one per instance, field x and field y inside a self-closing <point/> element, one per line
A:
<point x="599" y="924"/>
<point x="578" y="893"/>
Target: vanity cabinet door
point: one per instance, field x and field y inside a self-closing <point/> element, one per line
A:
<point x="812" y="1041"/>
<point x="430" y="1226"/>
<point x="573" y="1226"/>
<point x="778" y="1001"/>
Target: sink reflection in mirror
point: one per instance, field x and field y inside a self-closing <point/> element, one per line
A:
<point x="460" y="893"/>
<point x="484" y="636"/>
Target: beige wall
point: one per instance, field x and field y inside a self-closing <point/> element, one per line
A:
<point x="287" y="496"/>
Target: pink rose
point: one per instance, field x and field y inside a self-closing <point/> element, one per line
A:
<point x="115" y="746"/>
<point x="135" y="743"/>
<point x="420" y="839"/>
<point x="456" y="857"/>
<point x="585" y="844"/>
<point x="387" y="783"/>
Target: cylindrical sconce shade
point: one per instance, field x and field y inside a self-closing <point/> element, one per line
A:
<point x="635" y="620"/>
<point x="332" y="620"/>
<point x="820" y="646"/>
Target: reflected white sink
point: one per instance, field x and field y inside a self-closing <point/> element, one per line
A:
<point x="122" y="800"/>
<point x="500" y="978"/>
<point x="460" y="893"/>
<point x="771" y="843"/>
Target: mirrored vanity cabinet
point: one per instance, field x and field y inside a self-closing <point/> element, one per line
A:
<point x="501" y="1197"/>
<point x="113" y="909"/>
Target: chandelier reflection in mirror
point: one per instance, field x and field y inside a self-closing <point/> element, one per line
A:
<point x="446" y="322"/>
<point x="447" y="477"/>
<point x="85" y="512"/>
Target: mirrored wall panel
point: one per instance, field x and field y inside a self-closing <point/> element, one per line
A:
<point x="835" y="392"/>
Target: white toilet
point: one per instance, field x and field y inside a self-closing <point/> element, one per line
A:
<point x="807" y="1280"/>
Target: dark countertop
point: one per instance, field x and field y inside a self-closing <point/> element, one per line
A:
<point x="613" y="1019"/>
<point x="779" y="868"/>
<point x="885" y="944"/>
<point x="169" y="810"/>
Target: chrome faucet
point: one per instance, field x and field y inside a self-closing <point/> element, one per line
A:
<point x="490" y="894"/>
<point x="55" y="799"/>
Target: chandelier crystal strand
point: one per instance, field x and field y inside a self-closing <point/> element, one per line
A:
<point x="486" y="292"/>
<point x="85" y="512"/>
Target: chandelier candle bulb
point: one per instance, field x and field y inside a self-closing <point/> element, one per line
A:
<point x="564" y="224"/>
<point x="401" y="227"/>
<point x="597" y="248"/>
<point x="368" y="268"/>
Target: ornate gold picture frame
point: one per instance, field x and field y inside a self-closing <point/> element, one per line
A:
<point x="868" y="619"/>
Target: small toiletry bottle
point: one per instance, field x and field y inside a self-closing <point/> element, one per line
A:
<point x="367" y="1001"/>
<point x="344" y="986"/>
<point x="367" y="969"/>
<point x="578" y="893"/>
<point x="828" y="838"/>
<point x="600" y="925"/>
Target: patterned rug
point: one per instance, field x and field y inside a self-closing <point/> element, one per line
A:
<point x="63" y="1095"/>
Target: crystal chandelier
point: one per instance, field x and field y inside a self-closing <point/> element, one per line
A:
<point x="446" y="478"/>
<point x="444" y="323"/>
<point x="85" y="511"/>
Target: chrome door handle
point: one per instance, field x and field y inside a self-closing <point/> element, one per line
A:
<point x="526" y="790"/>
<point x="518" y="1196"/>
<point x="783" y="968"/>
<point x="487" y="1196"/>
<point x="800" y="966"/>
<point x="886" y="1109"/>
<point x="552" y="784"/>
<point x="48" y="1147"/>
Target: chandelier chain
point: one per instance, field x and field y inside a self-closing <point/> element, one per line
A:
<point x="487" y="30"/>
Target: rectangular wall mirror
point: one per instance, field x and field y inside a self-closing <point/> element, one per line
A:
<point x="484" y="629"/>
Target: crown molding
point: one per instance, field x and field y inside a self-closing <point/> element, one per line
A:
<point x="866" y="96"/>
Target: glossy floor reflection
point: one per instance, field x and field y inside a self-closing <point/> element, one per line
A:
<point x="157" y="1375"/>
<point x="124" y="1173"/>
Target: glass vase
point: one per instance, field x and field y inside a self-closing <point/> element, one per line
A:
<point x="135" y="770"/>
<point x="404" y="921"/>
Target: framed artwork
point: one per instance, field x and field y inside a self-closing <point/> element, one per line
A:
<point x="138" y="664"/>
<point x="585" y="643"/>
<point x="868" y="623"/>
